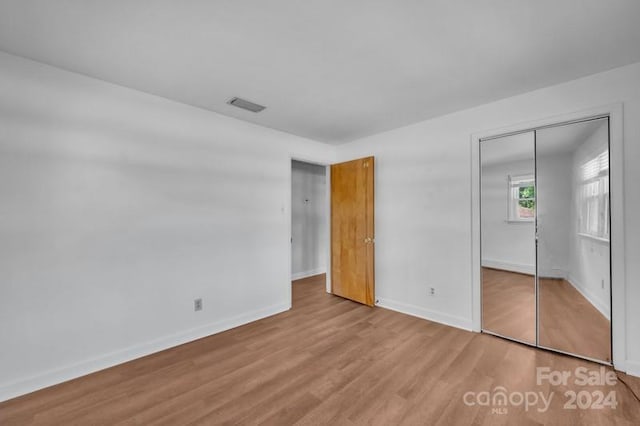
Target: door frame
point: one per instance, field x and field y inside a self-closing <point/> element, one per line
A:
<point x="327" y="202"/>
<point x="617" y="247"/>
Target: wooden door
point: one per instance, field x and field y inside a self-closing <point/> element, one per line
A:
<point x="352" y="230"/>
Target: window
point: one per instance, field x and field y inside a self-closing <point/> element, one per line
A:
<point x="522" y="198"/>
<point x="593" y="197"/>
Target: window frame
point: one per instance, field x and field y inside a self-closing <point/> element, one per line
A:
<point x="513" y="202"/>
<point x="595" y="171"/>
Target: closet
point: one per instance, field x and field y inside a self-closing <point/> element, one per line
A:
<point x="545" y="238"/>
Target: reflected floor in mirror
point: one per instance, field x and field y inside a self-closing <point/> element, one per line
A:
<point x="509" y="304"/>
<point x="570" y="323"/>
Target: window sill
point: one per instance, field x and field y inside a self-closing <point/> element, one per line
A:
<point x="592" y="237"/>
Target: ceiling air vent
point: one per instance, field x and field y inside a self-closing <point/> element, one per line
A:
<point x="245" y="104"/>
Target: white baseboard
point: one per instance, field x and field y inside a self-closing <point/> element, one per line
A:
<point x="305" y="274"/>
<point x="557" y="273"/>
<point x="53" y="377"/>
<point x="587" y="294"/>
<point x="632" y="368"/>
<point x="427" y="314"/>
<point x="507" y="266"/>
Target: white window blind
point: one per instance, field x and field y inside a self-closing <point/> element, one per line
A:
<point x="596" y="166"/>
<point x="593" y="199"/>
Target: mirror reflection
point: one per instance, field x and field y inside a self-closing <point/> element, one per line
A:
<point x="508" y="236"/>
<point x="573" y="238"/>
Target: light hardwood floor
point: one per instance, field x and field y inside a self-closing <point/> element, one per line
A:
<point x="327" y="361"/>
<point x="509" y="304"/>
<point x="568" y="321"/>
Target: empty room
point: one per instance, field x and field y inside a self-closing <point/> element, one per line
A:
<point x="319" y="213"/>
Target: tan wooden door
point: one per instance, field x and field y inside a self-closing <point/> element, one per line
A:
<point x="352" y="231"/>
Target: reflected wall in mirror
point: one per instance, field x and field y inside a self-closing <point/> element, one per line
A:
<point x="507" y="200"/>
<point x="572" y="163"/>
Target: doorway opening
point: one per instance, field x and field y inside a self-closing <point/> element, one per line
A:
<point x="334" y="237"/>
<point x="309" y="226"/>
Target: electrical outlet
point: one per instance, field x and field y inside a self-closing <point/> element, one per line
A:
<point x="197" y="305"/>
<point x="602" y="285"/>
<point x="432" y="291"/>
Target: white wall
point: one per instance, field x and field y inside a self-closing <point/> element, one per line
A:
<point x="589" y="269"/>
<point x="308" y="219"/>
<point x="510" y="245"/>
<point x="553" y="209"/>
<point x="423" y="192"/>
<point x="119" y="208"/>
<point x="506" y="245"/>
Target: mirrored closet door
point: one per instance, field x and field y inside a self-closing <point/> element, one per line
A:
<point x="508" y="249"/>
<point x="574" y="288"/>
<point x="545" y="231"/>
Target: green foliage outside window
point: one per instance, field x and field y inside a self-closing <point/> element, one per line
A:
<point x="526" y="196"/>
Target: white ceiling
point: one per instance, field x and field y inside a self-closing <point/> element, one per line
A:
<point x="566" y="139"/>
<point x="508" y="149"/>
<point x="548" y="141"/>
<point x="330" y="70"/>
